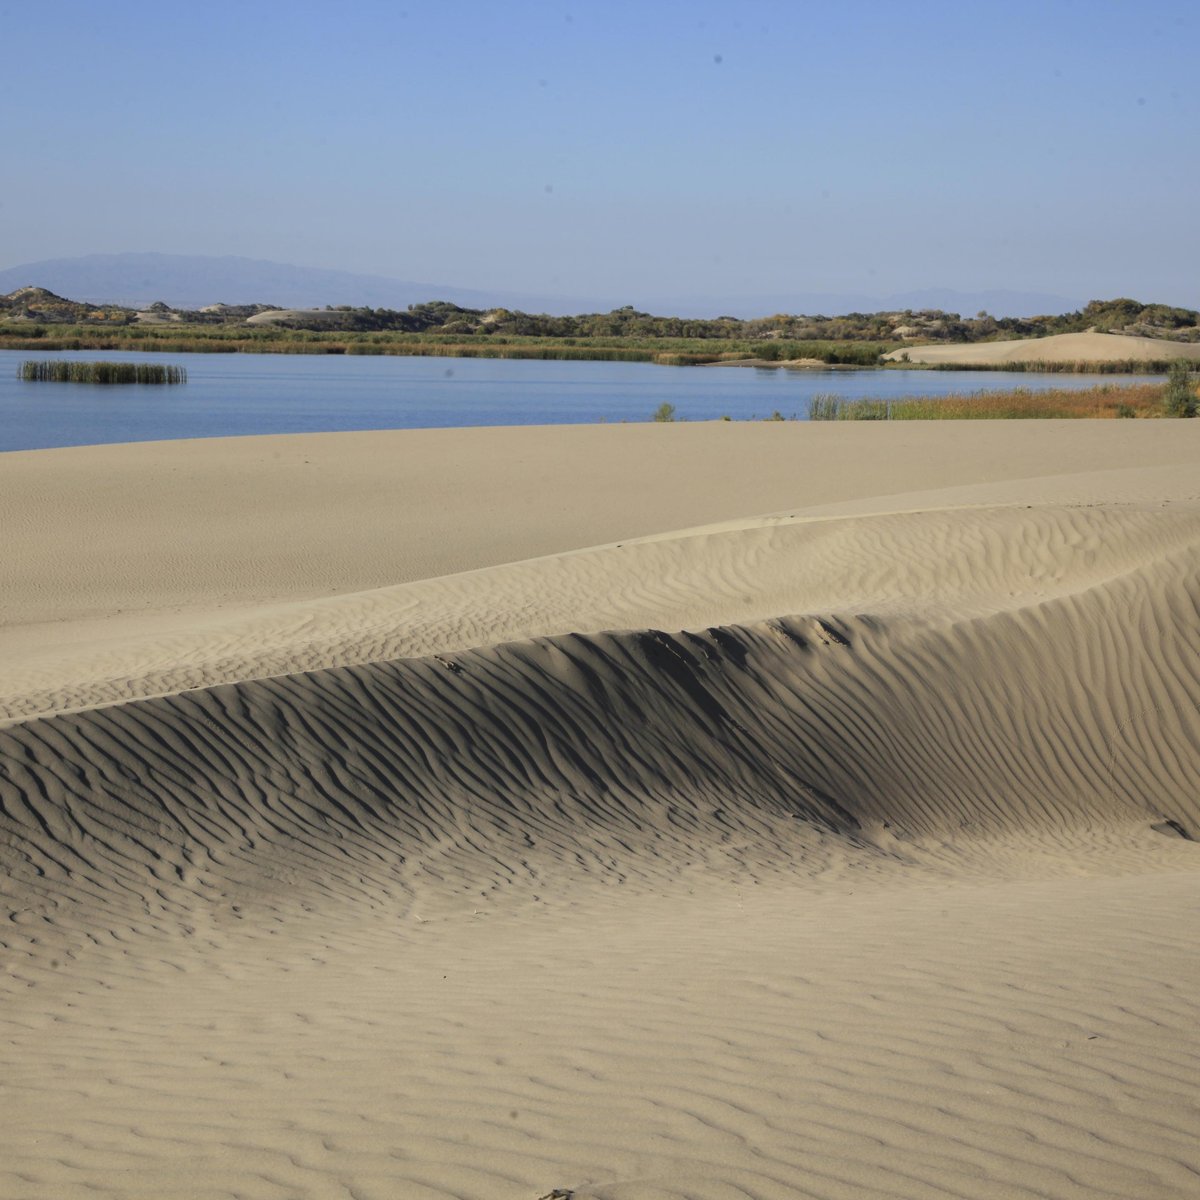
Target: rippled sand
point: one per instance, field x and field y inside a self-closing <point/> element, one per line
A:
<point x="482" y="813"/>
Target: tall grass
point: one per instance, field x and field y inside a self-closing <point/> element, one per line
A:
<point x="242" y="339"/>
<point x="1107" y="400"/>
<point x="825" y="406"/>
<point x="100" y="372"/>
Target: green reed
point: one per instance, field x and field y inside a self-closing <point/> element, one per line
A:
<point x="58" y="371"/>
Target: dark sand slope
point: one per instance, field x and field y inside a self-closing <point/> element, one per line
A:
<point x="630" y="755"/>
<point x="253" y="890"/>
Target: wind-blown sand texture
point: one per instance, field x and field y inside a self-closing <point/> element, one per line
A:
<point x="544" y="816"/>
<point x="1087" y="347"/>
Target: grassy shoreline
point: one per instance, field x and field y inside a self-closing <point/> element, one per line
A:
<point x="665" y="351"/>
<point x="668" y="351"/>
<point x="1121" y="366"/>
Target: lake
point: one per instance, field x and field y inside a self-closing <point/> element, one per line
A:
<point x="233" y="394"/>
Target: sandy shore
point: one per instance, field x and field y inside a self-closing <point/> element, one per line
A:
<point x="641" y="811"/>
<point x="1059" y="348"/>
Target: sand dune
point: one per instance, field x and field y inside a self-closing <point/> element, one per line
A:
<point x="1087" y="347"/>
<point x="972" y="560"/>
<point x="148" y="568"/>
<point x="310" y="316"/>
<point x="843" y="851"/>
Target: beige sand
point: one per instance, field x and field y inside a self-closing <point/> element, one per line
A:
<point x="312" y="316"/>
<point x="1087" y="347"/>
<point x="854" y="867"/>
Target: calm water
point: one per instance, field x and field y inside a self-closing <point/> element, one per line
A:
<point x="228" y="394"/>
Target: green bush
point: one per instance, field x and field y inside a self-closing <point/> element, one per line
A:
<point x="664" y="412"/>
<point x="1179" y="399"/>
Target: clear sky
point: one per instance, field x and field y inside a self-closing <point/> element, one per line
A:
<point x="618" y="148"/>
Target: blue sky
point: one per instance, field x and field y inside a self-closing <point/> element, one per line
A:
<point x="618" y="148"/>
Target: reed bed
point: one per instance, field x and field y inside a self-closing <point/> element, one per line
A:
<point x="668" y="350"/>
<point x="58" y="371"/>
<point x="1104" y="401"/>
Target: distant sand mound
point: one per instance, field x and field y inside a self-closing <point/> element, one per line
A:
<point x="308" y="316"/>
<point x="1059" y="348"/>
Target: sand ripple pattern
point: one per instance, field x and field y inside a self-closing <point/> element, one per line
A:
<point x="618" y="756"/>
<point x="941" y="565"/>
<point x="859" y="902"/>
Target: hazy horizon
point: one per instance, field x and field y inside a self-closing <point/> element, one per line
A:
<point x="191" y="282"/>
<point x="687" y="151"/>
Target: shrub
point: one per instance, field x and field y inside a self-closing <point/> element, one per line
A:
<point x="1179" y="399"/>
<point x="664" y="412"/>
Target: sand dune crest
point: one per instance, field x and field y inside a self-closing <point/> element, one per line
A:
<point x="634" y="754"/>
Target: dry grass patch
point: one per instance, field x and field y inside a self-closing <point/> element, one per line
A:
<point x="1103" y="401"/>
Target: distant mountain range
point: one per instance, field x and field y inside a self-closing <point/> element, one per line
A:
<point x="194" y="281"/>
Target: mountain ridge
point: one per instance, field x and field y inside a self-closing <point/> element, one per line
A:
<point x="137" y="280"/>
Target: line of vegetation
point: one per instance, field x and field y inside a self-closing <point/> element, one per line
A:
<point x="240" y="339"/>
<point x="1120" y="366"/>
<point x="1105" y="401"/>
<point x="234" y="339"/>
<point x="35" y="305"/>
<point x="59" y="371"/>
<point x="32" y="318"/>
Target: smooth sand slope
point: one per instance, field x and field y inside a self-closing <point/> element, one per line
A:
<point x="1087" y="347"/>
<point x="550" y="818"/>
<point x="153" y="567"/>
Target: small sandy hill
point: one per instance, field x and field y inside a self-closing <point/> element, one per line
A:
<point x="309" y="316"/>
<point x="518" y="838"/>
<point x="1059" y="348"/>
